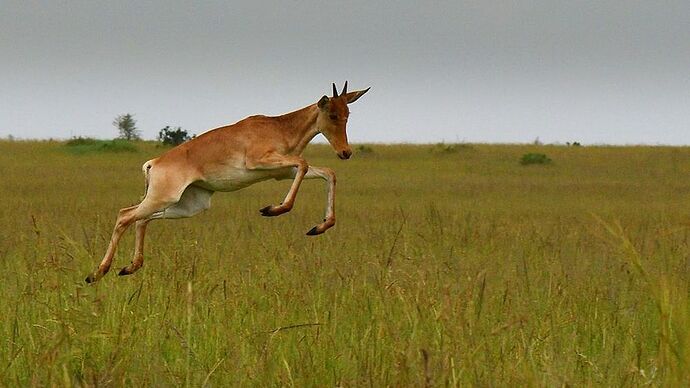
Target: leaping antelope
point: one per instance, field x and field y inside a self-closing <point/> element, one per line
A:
<point x="180" y="182"/>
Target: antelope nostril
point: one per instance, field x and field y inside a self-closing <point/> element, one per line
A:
<point x="347" y="154"/>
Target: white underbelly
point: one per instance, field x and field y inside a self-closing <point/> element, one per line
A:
<point x="232" y="179"/>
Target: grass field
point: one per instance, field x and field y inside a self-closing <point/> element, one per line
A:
<point x="449" y="266"/>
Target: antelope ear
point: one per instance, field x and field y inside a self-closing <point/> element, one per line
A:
<point x="323" y="102"/>
<point x="354" y="96"/>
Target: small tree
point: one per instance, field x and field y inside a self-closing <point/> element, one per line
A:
<point x="127" y="127"/>
<point x="173" y="136"/>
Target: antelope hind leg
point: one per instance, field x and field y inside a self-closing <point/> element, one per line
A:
<point x="138" y="260"/>
<point x="193" y="201"/>
<point x="125" y="218"/>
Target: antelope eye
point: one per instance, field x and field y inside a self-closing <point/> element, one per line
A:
<point x="333" y="117"/>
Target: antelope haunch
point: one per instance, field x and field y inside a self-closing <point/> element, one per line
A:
<point x="180" y="182"/>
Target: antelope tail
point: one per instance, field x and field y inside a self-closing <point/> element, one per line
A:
<point x="146" y="169"/>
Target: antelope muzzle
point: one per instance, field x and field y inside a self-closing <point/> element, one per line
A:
<point x="345" y="154"/>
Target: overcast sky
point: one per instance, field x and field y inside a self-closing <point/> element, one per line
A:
<point x="613" y="72"/>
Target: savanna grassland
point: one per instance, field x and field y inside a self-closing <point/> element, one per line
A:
<point x="449" y="266"/>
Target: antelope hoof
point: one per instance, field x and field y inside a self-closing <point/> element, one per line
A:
<point x="128" y="270"/>
<point x="320" y="228"/>
<point x="272" y="211"/>
<point x="125" y="271"/>
<point x="92" y="278"/>
<point x="314" y="231"/>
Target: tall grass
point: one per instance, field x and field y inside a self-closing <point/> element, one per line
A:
<point x="453" y="268"/>
<point x="671" y="301"/>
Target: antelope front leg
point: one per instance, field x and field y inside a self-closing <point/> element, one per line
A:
<point x="329" y="176"/>
<point x="276" y="161"/>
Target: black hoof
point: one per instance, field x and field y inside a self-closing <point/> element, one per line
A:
<point x="314" y="231"/>
<point x="266" y="211"/>
<point x="90" y="279"/>
<point x="124" y="272"/>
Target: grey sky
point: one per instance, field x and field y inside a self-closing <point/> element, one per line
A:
<point x="480" y="71"/>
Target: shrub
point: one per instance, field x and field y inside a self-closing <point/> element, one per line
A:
<point x="365" y="149"/>
<point x="443" y="148"/>
<point x="173" y="136"/>
<point x="80" y="141"/>
<point x="117" y="145"/>
<point x="83" y="145"/>
<point x="534" y="158"/>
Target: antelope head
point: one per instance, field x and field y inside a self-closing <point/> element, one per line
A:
<point x="332" y="119"/>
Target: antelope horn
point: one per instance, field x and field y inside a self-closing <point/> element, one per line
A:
<point x="344" y="92"/>
<point x="335" y="91"/>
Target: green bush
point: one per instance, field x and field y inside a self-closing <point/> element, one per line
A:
<point x="173" y="136"/>
<point x="534" y="158"/>
<point x="117" y="145"/>
<point x="365" y="149"/>
<point x="83" y="145"/>
<point x="80" y="141"/>
<point x="443" y="148"/>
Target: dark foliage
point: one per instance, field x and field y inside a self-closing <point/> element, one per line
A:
<point x="173" y="136"/>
